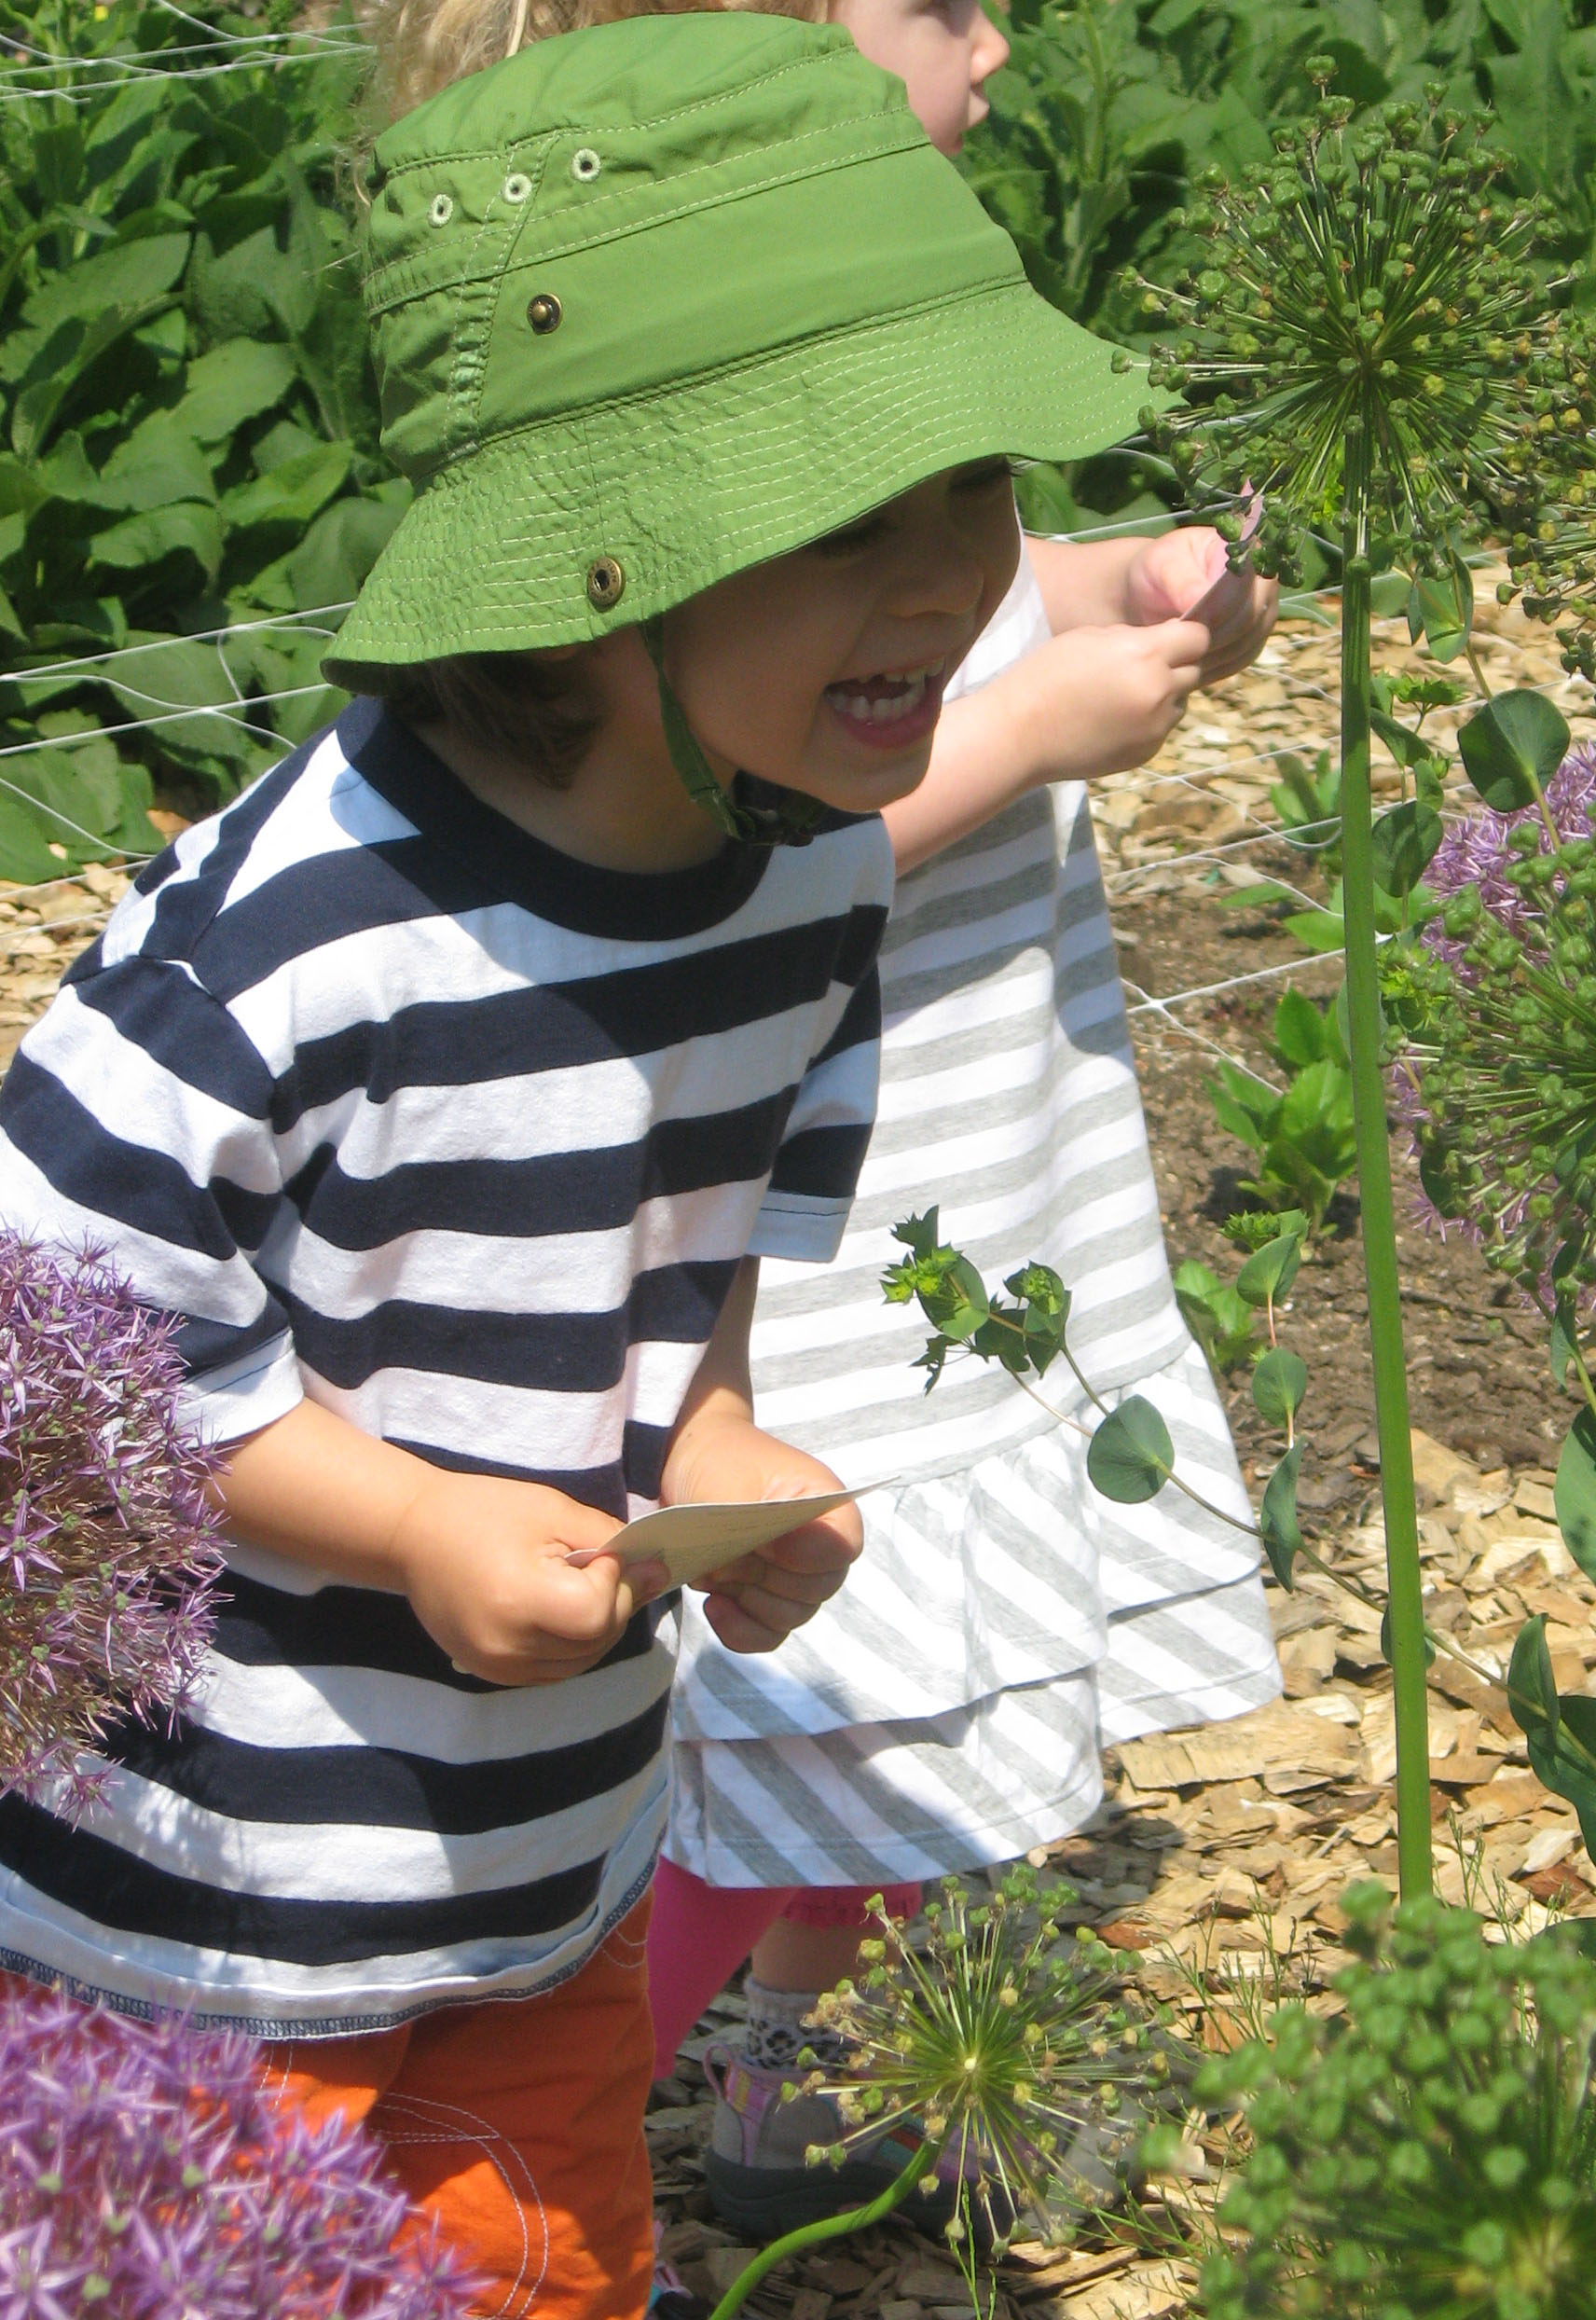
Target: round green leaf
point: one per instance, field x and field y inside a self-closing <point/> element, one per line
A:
<point x="1130" y="1456"/>
<point x="1515" y="741"/>
<point x="1404" y="841"/>
<point x="958" y="1304"/>
<point x="1574" y="1497"/>
<point x="1271" y="1270"/>
<point x="1278" y="1384"/>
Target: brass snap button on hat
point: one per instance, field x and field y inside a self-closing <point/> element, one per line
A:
<point x="606" y="582"/>
<point x="544" y="314"/>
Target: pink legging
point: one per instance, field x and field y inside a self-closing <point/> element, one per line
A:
<point x="699" y="1934"/>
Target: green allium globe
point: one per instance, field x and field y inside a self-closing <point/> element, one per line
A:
<point x="1003" y="2039"/>
<point x="1372" y="282"/>
<point x="1433" y="2155"/>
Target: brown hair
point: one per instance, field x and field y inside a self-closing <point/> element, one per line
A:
<point x="422" y="45"/>
<point x="531" y="707"/>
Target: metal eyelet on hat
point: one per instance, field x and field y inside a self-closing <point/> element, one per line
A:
<point x="515" y="188"/>
<point x="441" y="210"/>
<point x="585" y="165"/>
<point x="544" y="314"/>
<point x="606" y="583"/>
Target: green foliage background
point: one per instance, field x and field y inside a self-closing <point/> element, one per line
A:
<point x="187" y="419"/>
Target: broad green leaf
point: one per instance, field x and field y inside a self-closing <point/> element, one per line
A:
<point x="1278" y="1384"/>
<point x="291" y="493"/>
<point x="142" y="540"/>
<point x="235" y="382"/>
<point x="1270" y="1271"/>
<point x="1532" y="1687"/>
<point x="24" y="850"/>
<point x="330" y="564"/>
<point x="1130" y="1456"/>
<point x="1574" y="1495"/>
<point x="1405" y="841"/>
<point x="1516" y="742"/>
<point x="1299" y="1029"/>
<point x="117" y="281"/>
<point x="1277" y="1516"/>
<point x="157" y="463"/>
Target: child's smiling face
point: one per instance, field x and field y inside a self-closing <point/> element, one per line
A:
<point x="823" y="671"/>
<point x="943" y="50"/>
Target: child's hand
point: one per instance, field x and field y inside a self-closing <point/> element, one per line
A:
<point x="760" y="1599"/>
<point x="483" y="1563"/>
<point x="1172" y="576"/>
<point x="1102" y="700"/>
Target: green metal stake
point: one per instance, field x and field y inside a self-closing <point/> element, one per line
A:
<point x="1407" y="1618"/>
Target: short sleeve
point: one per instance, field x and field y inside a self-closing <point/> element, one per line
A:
<point x="135" y="1120"/>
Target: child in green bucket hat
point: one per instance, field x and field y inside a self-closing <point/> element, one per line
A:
<point x="876" y="1750"/>
<point x="445" y="1086"/>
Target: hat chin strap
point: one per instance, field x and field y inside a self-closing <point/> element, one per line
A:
<point x="788" y="819"/>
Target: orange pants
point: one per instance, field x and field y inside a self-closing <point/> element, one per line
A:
<point x="518" y="2123"/>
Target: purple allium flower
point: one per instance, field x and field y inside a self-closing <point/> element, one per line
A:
<point x="107" y="1543"/>
<point x="1497" y="1079"/>
<point x="148" y="2174"/>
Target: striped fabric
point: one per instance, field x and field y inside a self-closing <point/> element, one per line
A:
<point x="398" y="1109"/>
<point x="950" y="1706"/>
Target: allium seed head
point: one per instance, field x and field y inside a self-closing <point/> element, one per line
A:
<point x="1003" y="2036"/>
<point x="108" y="1553"/>
<point x="1497" y="1077"/>
<point x="1373" y="285"/>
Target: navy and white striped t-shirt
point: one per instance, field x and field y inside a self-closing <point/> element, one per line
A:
<point x="395" y="1107"/>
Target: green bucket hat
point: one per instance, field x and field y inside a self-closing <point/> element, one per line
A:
<point x="661" y="299"/>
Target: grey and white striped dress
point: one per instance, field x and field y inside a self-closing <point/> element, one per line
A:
<point x="948" y="1707"/>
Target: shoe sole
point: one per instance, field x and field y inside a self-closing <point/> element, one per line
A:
<point x="765" y="2201"/>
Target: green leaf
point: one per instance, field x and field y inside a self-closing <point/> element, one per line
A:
<point x="1299" y="1035"/>
<point x="1574" y="1494"/>
<point x="330" y="564"/>
<point x="292" y="493"/>
<point x="1277" y="1516"/>
<point x="1130" y="1456"/>
<point x="24" y="851"/>
<point x="1405" y="745"/>
<point x="1385" y="1644"/>
<point x="1532" y="1687"/>
<point x="159" y="463"/>
<point x="235" y="382"/>
<point x="1564" y="1338"/>
<point x="1513" y="744"/>
<point x="1278" y="1384"/>
<point x="1405" y="841"/>
<point x="1270" y="1271"/>
<point x="958" y="1305"/>
<point x="187" y="528"/>
<point x="1442" y="612"/>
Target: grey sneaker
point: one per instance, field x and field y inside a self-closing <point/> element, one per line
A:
<point x="755" y="2166"/>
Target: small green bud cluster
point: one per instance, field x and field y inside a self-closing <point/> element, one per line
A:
<point x="1373" y="285"/>
<point x="1431" y="2156"/>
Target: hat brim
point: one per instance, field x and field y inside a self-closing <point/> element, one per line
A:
<point x="683" y="486"/>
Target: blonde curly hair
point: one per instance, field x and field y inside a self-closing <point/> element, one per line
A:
<point x="422" y="45"/>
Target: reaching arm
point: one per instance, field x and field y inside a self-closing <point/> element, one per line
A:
<point x="1104" y="694"/>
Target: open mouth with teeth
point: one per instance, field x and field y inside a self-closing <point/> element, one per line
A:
<point x="889" y="711"/>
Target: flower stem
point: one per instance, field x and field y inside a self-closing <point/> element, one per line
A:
<point x="1374" y="1193"/>
<point x="827" y="2228"/>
